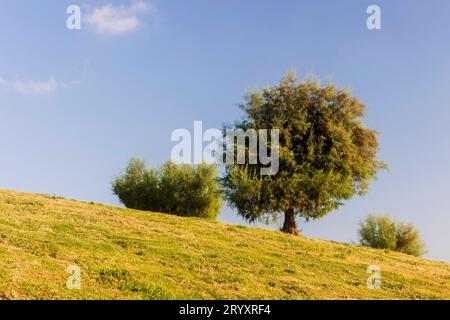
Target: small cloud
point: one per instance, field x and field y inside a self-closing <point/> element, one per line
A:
<point x="30" y="86"/>
<point x="36" y="87"/>
<point x="111" y="20"/>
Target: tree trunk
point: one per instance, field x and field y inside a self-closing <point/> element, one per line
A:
<point x="289" y="225"/>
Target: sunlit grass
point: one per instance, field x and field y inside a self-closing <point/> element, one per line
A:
<point x="129" y="254"/>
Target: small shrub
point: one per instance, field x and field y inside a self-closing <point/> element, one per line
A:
<point x="184" y="190"/>
<point x="378" y="232"/>
<point x="408" y="240"/>
<point x="381" y="232"/>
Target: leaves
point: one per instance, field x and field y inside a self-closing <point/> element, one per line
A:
<point x="381" y="232"/>
<point x="326" y="153"/>
<point x="184" y="190"/>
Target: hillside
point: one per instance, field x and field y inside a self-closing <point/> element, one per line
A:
<point x="128" y="254"/>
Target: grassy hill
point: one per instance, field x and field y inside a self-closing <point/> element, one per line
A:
<point x="128" y="254"/>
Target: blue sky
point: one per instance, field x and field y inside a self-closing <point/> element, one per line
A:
<point x="76" y="105"/>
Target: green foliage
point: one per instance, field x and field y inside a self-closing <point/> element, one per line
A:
<point x="378" y="232"/>
<point x="326" y="153"/>
<point x="381" y="232"/>
<point x="408" y="240"/>
<point x="183" y="190"/>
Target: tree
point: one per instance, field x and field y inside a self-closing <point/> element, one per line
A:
<point x="382" y="232"/>
<point x="184" y="190"/>
<point x="326" y="154"/>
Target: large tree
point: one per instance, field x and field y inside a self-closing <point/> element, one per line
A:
<point x="326" y="153"/>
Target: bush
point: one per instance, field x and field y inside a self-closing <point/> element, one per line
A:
<point x="408" y="240"/>
<point x="378" y="232"/>
<point x="184" y="190"/>
<point x="381" y="232"/>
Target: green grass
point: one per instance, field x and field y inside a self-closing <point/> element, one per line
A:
<point x="129" y="254"/>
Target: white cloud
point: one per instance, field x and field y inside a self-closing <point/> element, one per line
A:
<point x="30" y="86"/>
<point x="111" y="20"/>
